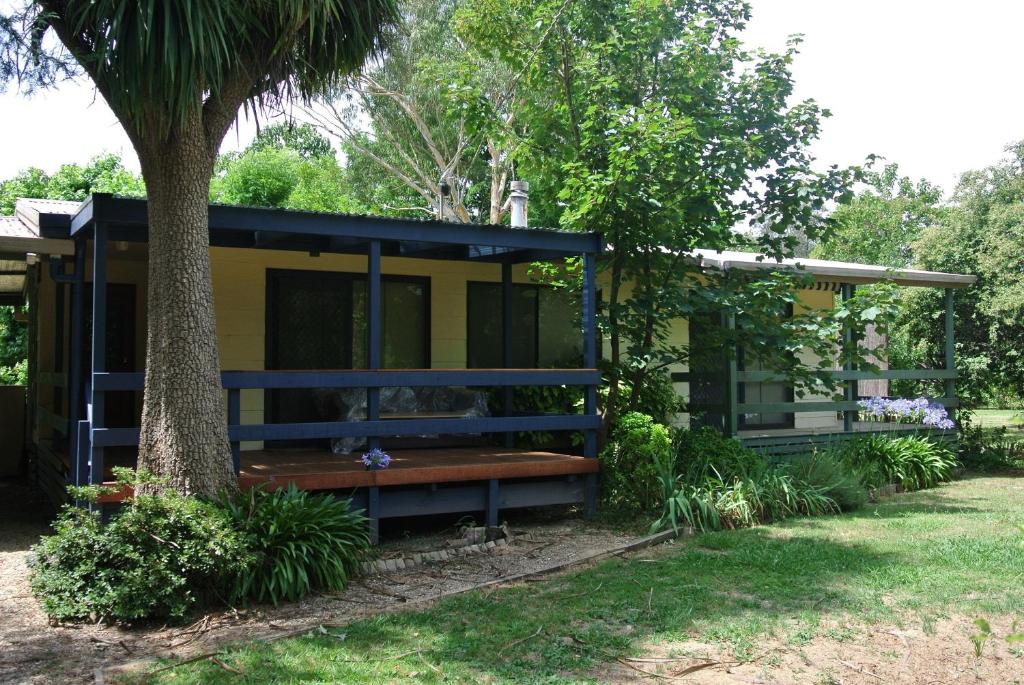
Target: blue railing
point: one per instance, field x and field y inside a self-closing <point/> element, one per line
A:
<point x="92" y="439"/>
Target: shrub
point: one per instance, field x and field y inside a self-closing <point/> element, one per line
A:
<point x="912" y="461"/>
<point x="831" y="476"/>
<point x="302" y="542"/>
<point x="714" y="504"/>
<point x="630" y="463"/>
<point x="987" y="450"/>
<point x="706" y="452"/>
<point x="158" y="557"/>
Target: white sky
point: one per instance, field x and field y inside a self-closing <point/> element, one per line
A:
<point x="931" y="84"/>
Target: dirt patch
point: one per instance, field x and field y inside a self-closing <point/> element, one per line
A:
<point x="33" y="651"/>
<point x="847" y="652"/>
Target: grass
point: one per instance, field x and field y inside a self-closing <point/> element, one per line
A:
<point x="994" y="418"/>
<point x="957" y="549"/>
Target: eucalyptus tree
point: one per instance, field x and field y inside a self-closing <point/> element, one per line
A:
<point x="175" y="74"/>
<point x="433" y="111"/>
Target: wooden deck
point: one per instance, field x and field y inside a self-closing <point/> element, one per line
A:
<point x="322" y="470"/>
<point x="312" y="469"/>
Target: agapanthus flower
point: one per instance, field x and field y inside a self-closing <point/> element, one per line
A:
<point x="376" y="459"/>
<point x="902" y="409"/>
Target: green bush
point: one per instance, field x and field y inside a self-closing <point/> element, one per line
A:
<point x="630" y="463"/>
<point x="832" y="477"/>
<point x="912" y="462"/>
<point x="714" y="504"/>
<point x="302" y="542"/>
<point x="987" y="449"/>
<point x="706" y="452"/>
<point x="158" y="557"/>
<point x="657" y="398"/>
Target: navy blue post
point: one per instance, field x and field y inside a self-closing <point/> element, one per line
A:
<point x="99" y="344"/>
<point x="850" y="388"/>
<point x="59" y="391"/>
<point x="508" y="394"/>
<point x="589" y="296"/>
<point x="81" y="454"/>
<point x="492" y="503"/>
<point x="373" y="513"/>
<point x="373" y="332"/>
<point x="950" y="384"/>
<point x="373" y="361"/>
<point x="235" y="419"/>
<point x="75" y="393"/>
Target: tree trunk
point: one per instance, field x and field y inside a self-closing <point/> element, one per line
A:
<point x="184" y="432"/>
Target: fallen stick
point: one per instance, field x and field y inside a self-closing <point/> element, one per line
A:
<point x="520" y="641"/>
<point x="223" y="665"/>
<point x="859" y="670"/>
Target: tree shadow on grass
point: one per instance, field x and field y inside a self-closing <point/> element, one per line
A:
<point x="730" y="586"/>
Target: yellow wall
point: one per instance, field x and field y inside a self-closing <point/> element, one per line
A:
<point x="806" y="300"/>
<point x="240" y="288"/>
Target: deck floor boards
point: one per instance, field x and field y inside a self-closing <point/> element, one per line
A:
<point x="323" y="470"/>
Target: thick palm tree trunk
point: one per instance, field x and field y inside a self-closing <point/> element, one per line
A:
<point x="184" y="431"/>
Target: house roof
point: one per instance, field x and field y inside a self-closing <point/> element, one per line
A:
<point x="19" y="237"/>
<point x="43" y="227"/>
<point x="285" y="229"/>
<point x="832" y="271"/>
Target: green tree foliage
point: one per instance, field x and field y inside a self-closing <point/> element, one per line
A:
<point x="31" y="182"/>
<point x="13" y="349"/>
<point x="302" y="138"/>
<point x="880" y="224"/>
<point x="649" y="122"/>
<point x="652" y="123"/>
<point x="282" y="176"/>
<point x="981" y="235"/>
<point x="431" y="109"/>
<point x="103" y="174"/>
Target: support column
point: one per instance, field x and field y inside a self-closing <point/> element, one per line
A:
<point x="950" y="383"/>
<point x="75" y="390"/>
<point x="732" y="389"/>
<point x="373" y="513"/>
<point x="589" y="297"/>
<point x="59" y="391"/>
<point x="508" y="392"/>
<point x="373" y="333"/>
<point x="849" y="385"/>
<point x="492" y="503"/>
<point x="99" y="345"/>
<point x="234" y="419"/>
<point x="31" y="425"/>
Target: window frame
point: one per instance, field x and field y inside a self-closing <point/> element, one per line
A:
<point x="270" y="349"/>
<point x="538" y="288"/>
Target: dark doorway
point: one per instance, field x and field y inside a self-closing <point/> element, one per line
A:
<point x="121" y="407"/>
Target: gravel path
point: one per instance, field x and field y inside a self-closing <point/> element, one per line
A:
<point x="33" y="651"/>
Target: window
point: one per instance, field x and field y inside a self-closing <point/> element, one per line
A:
<point x="317" y="320"/>
<point x="545" y="327"/>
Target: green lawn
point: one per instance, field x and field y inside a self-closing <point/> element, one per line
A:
<point x="956" y="550"/>
<point x="994" y="418"/>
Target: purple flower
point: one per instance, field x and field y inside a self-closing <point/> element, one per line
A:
<point x="376" y="459"/>
<point x="875" y="406"/>
<point x="902" y="409"/>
